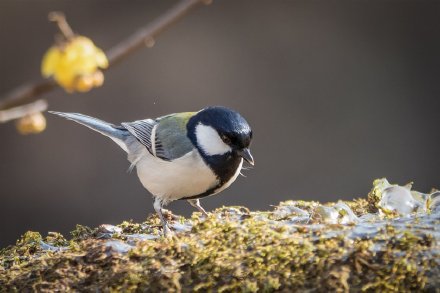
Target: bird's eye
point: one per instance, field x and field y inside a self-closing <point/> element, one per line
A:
<point x="225" y="139"/>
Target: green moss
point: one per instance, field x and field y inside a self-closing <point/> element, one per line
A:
<point x="359" y="206"/>
<point x="82" y="232"/>
<point x="375" y="195"/>
<point x="233" y="250"/>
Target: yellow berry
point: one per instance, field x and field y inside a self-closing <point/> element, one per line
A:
<point x="98" y="78"/>
<point x="84" y="83"/>
<point x="50" y="61"/>
<point x="33" y="123"/>
<point x="75" y="64"/>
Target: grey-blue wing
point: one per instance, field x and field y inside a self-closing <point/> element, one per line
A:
<point x="165" y="138"/>
<point x="142" y="130"/>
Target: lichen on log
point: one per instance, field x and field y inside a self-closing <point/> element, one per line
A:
<point x="362" y="245"/>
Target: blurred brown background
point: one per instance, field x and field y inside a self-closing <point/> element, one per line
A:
<point x="338" y="93"/>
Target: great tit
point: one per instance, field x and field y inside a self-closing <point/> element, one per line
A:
<point x="182" y="156"/>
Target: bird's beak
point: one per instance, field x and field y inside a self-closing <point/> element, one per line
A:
<point x="246" y="154"/>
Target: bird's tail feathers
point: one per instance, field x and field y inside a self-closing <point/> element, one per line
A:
<point x="117" y="134"/>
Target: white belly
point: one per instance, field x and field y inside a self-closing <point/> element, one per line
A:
<point x="183" y="177"/>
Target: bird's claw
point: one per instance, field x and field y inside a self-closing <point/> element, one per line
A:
<point x="167" y="232"/>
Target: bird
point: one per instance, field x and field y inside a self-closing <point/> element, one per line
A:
<point x="181" y="156"/>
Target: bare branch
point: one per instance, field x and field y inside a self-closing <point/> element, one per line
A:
<point x="21" y="111"/>
<point x="147" y="34"/>
<point x="144" y="37"/>
<point x="27" y="93"/>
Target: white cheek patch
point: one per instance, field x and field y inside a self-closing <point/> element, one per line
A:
<point x="210" y="142"/>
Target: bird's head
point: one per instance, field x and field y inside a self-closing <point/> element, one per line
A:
<point x="218" y="131"/>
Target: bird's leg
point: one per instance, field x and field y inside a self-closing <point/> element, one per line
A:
<point x="158" y="208"/>
<point x="196" y="203"/>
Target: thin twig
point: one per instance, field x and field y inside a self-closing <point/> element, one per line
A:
<point x="144" y="37"/>
<point x="21" y="111"/>
<point x="60" y="19"/>
<point x="27" y="93"/>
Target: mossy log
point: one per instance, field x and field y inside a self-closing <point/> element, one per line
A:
<point x="291" y="248"/>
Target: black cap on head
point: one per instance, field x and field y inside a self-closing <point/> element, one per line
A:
<point x="230" y="125"/>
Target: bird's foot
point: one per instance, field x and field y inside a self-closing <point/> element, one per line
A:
<point x="196" y="203"/>
<point x="167" y="232"/>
